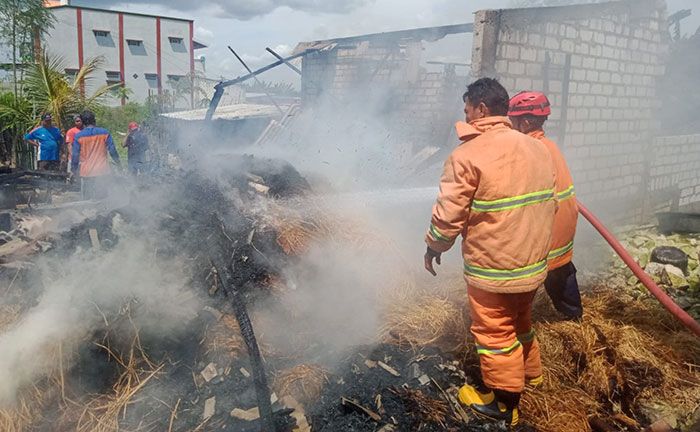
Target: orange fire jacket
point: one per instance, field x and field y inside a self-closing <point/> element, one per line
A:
<point x="497" y="191"/>
<point x="564" y="228"/>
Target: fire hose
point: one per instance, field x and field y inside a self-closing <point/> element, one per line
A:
<point x="643" y="277"/>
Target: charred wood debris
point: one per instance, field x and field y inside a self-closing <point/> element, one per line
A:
<point x="232" y="257"/>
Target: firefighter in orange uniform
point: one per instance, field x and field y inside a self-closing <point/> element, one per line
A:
<point x="497" y="192"/>
<point x="528" y="112"/>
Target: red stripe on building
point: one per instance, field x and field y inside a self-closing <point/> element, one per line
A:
<point x="79" y="19"/>
<point x="79" y="23"/>
<point x="121" y="53"/>
<point x="158" y="54"/>
<point x="192" y="64"/>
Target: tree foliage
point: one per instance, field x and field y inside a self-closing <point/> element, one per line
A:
<point x="22" y="21"/>
<point x="541" y="3"/>
<point x="51" y="91"/>
<point x="117" y="119"/>
<point x="46" y="89"/>
<point x="277" y="88"/>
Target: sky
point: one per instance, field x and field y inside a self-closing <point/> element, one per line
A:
<point x="249" y="26"/>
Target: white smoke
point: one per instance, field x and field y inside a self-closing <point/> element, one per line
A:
<point x="80" y="292"/>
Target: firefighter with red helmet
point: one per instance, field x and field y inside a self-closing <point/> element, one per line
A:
<point x="528" y="112"/>
<point x="137" y="146"/>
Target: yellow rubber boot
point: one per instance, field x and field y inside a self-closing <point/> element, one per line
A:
<point x="486" y="405"/>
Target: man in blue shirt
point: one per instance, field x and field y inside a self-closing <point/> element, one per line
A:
<point x="49" y="141"/>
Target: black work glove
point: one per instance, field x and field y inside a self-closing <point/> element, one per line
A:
<point x="428" y="260"/>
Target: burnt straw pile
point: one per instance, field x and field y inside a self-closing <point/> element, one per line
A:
<point x="235" y="301"/>
<point x="164" y="314"/>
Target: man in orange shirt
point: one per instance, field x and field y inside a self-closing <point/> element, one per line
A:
<point x="70" y="137"/>
<point x="528" y="112"/>
<point x="497" y="192"/>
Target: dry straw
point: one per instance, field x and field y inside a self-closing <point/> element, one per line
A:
<point x="625" y="355"/>
<point x="303" y="382"/>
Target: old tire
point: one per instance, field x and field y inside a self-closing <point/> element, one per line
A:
<point x="670" y="255"/>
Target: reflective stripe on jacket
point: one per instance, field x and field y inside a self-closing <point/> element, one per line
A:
<point x="497" y="191"/>
<point x="564" y="228"/>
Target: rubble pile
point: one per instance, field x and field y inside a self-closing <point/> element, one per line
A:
<point x="385" y="388"/>
<point x="654" y="251"/>
<point x="27" y="187"/>
<point x="205" y="224"/>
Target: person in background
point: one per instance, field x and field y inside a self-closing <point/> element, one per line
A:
<point x="70" y="137"/>
<point x="497" y="192"/>
<point x="528" y="112"/>
<point x="136" y="144"/>
<point x="49" y="141"/>
<point x="89" y="160"/>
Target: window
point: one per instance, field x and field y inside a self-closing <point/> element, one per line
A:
<point x="71" y="74"/>
<point x="136" y="47"/>
<point x="103" y="38"/>
<point x="152" y="80"/>
<point x="177" y="44"/>
<point x="114" y="76"/>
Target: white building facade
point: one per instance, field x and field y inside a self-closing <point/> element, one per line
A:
<point x="148" y="54"/>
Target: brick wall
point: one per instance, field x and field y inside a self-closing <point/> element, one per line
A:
<point x="676" y="164"/>
<point x="386" y="80"/>
<point x="599" y="64"/>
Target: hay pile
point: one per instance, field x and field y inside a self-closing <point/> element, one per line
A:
<point x="26" y="412"/>
<point x="103" y="412"/>
<point x="303" y="382"/>
<point x="626" y="357"/>
<point x="433" y="317"/>
<point x="301" y="224"/>
<point x="9" y="314"/>
<point x="430" y="321"/>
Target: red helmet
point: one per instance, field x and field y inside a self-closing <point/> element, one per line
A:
<point x="529" y="102"/>
<point x="133" y="126"/>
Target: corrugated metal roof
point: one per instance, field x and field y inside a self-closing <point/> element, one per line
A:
<point x="429" y="34"/>
<point x="229" y="112"/>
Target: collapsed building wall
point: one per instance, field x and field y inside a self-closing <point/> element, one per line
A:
<point x="600" y="65"/>
<point x="382" y="75"/>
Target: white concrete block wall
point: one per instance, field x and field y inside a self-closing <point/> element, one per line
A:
<point x="675" y="162"/>
<point x="615" y="60"/>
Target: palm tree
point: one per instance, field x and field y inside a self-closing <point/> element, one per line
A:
<point x="47" y="89"/>
<point x="16" y="117"/>
<point x="50" y="90"/>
